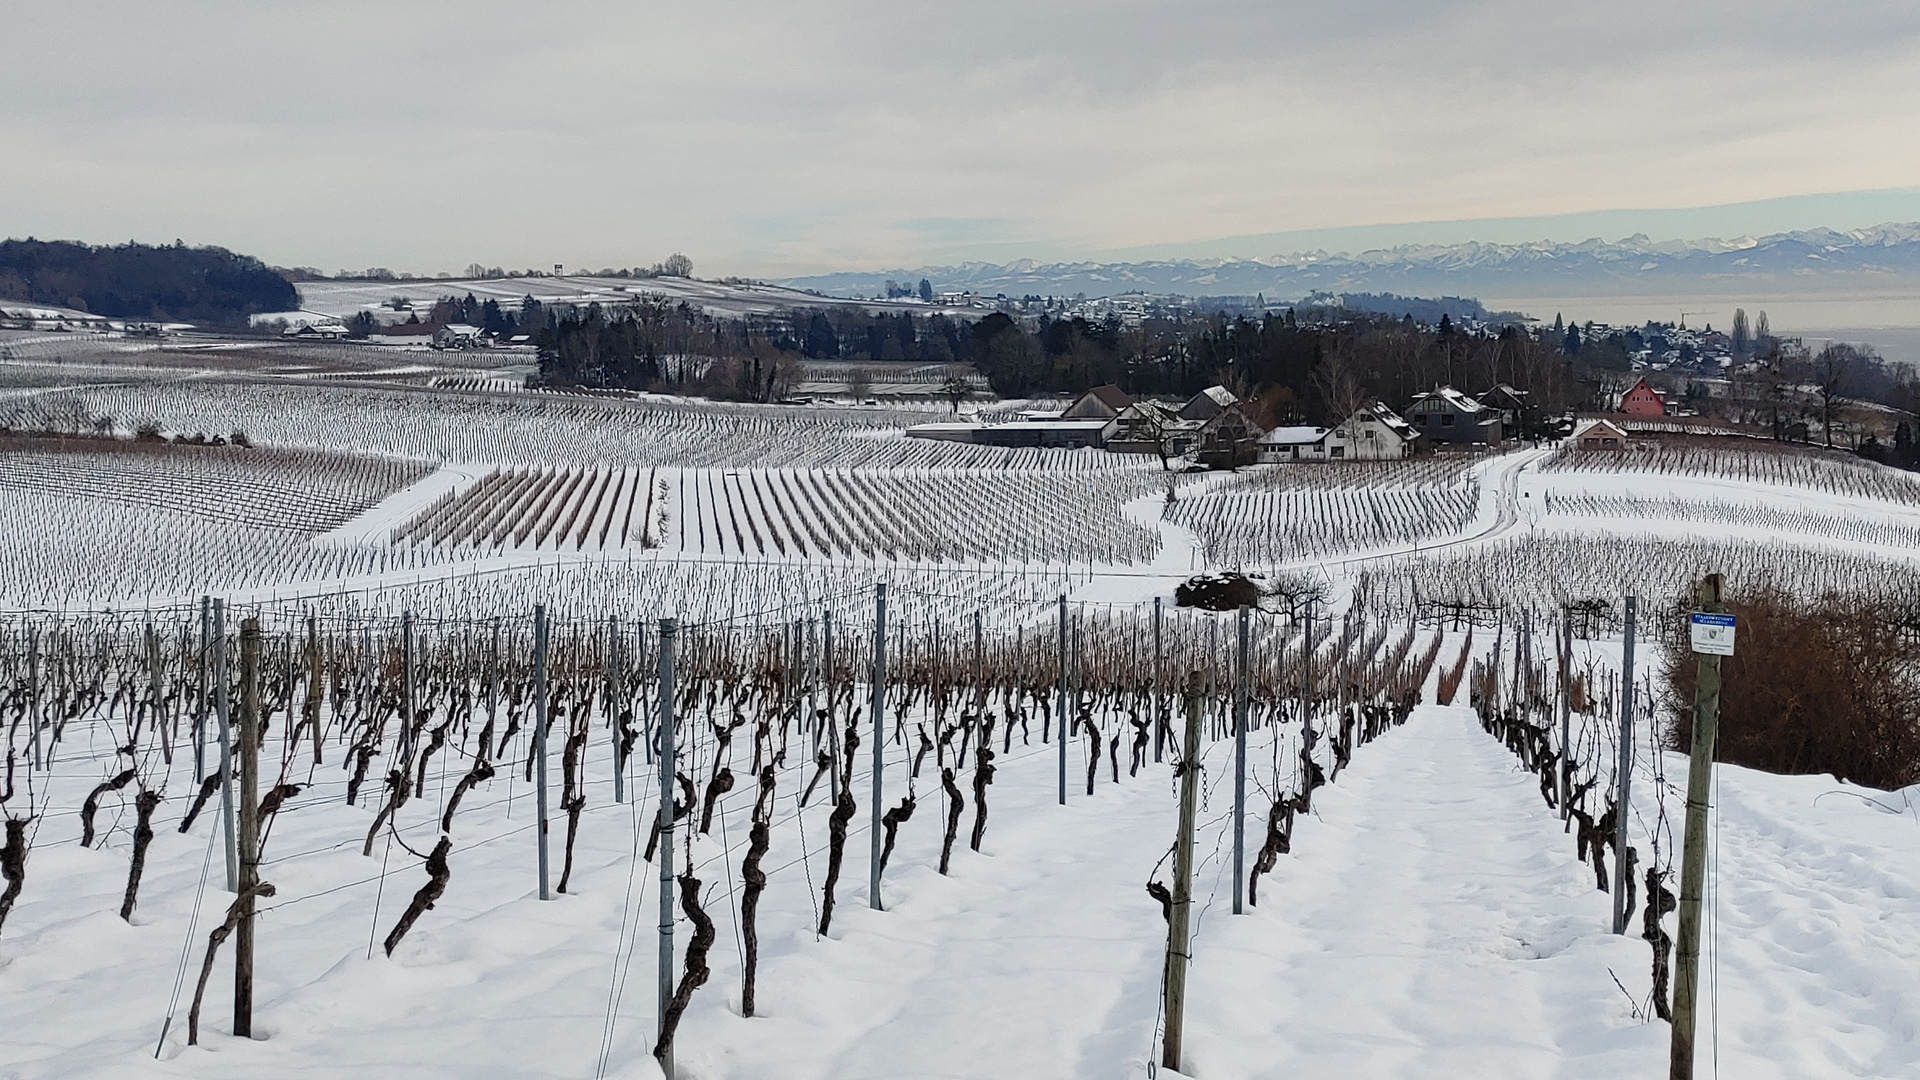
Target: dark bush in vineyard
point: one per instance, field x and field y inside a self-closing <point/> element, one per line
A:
<point x="1814" y="686"/>
<point x="1217" y="592"/>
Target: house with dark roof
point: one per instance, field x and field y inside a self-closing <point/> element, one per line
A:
<point x="1448" y="416"/>
<point x="1519" y="418"/>
<point x="1208" y="404"/>
<point x="1099" y="403"/>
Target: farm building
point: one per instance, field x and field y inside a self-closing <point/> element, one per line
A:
<point x="457" y="336"/>
<point x="1099" y="403"/>
<point x="1446" y="415"/>
<point x="1296" y="443"/>
<point x="1599" y="435"/>
<point x="1519" y="418"/>
<point x="1208" y="404"/>
<point x="1374" y="433"/>
<point x="1228" y="441"/>
<point x="1149" y="427"/>
<point x="1643" y="400"/>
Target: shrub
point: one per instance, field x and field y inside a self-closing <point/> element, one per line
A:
<point x="1814" y="686"/>
<point x="1217" y="592"/>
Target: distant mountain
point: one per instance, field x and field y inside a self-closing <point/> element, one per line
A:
<point x="1812" y="260"/>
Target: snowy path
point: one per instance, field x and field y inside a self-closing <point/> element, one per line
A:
<point x="1431" y="922"/>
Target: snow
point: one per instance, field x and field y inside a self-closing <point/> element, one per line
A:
<point x="1431" y="921"/>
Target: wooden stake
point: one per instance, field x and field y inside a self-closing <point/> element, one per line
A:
<point x="1240" y="769"/>
<point x="222" y="707"/>
<point x="1625" y="769"/>
<point x="249" y="839"/>
<point x="1693" y="864"/>
<point x="879" y="704"/>
<point x="540" y="740"/>
<point x="1189" y="768"/>
<point x="669" y="634"/>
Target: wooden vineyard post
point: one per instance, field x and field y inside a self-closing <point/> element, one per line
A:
<point x="1306" y="674"/>
<point x="493" y="673"/>
<point x="406" y="692"/>
<point x="833" y="741"/>
<point x="1566" y="718"/>
<point x="1693" y="864"/>
<point x="669" y="634"/>
<point x="979" y="662"/>
<point x="249" y="826"/>
<point x="1159" y="711"/>
<point x="1061" y="724"/>
<point x="1626" y="772"/>
<point x="1240" y="769"/>
<point x="879" y="705"/>
<point x="160" y="728"/>
<point x="1189" y="769"/>
<point x="200" y="700"/>
<point x="223" y="712"/>
<point x="613" y="709"/>
<point x="540" y="740"/>
<point x="316" y="682"/>
<point x="33" y="694"/>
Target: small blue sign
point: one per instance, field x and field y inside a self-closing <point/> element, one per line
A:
<point x="1713" y="633"/>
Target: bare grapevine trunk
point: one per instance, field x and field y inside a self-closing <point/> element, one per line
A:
<point x="890" y="821"/>
<point x="481" y="772"/>
<point x="144" y="806"/>
<point x="955" y="804"/>
<point x="92" y="805"/>
<point x="758" y="840"/>
<point x="982" y="776"/>
<point x="214" y="941"/>
<point x="13" y="864"/>
<point x="696" y="973"/>
<point x="207" y="787"/>
<point x="843" y="811"/>
<point x="438" y="873"/>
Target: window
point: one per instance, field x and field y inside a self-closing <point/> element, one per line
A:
<point x="1369" y="433"/>
<point x="1339" y="451"/>
<point x="1447" y="420"/>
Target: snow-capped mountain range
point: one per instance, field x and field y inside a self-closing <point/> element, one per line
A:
<point x="1823" y="260"/>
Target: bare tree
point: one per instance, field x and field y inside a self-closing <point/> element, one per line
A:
<point x="1341" y="382"/>
<point x="1829" y="372"/>
<point x="956" y="390"/>
<point x="859" y="384"/>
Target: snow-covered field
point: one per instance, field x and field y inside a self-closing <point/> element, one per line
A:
<point x="1431" y="918"/>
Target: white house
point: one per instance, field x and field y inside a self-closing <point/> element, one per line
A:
<point x="1303" y="443"/>
<point x="1599" y="435"/>
<point x="1374" y="433"/>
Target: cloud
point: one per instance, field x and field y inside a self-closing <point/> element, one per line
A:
<point x="778" y="138"/>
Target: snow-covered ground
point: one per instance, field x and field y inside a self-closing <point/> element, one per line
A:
<point x="1431" y="922"/>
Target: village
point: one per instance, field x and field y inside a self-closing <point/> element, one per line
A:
<point x="1214" y="429"/>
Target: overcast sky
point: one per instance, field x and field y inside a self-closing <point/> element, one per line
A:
<point x="781" y="138"/>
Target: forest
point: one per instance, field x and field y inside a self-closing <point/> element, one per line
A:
<point x="204" y="285"/>
<point x="1296" y="369"/>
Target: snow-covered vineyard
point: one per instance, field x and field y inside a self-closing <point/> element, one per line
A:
<point x="520" y="734"/>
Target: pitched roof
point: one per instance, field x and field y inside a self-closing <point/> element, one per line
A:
<point x="1589" y="426"/>
<point x="1452" y="397"/>
<point x="1392" y="420"/>
<point x="1293" y="436"/>
<point x="1208" y="403"/>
